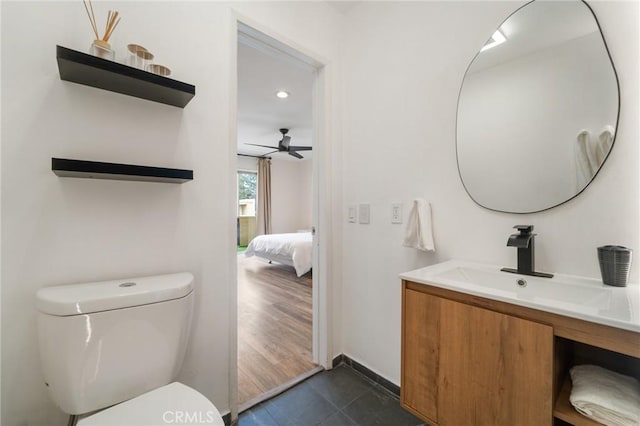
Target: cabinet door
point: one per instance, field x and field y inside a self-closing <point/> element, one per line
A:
<point x="495" y="369"/>
<point x="420" y="354"/>
<point x="464" y="365"/>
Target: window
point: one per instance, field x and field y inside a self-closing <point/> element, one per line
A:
<point x="247" y="190"/>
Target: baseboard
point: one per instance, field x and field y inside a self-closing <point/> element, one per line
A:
<point x="337" y="361"/>
<point x="371" y="375"/>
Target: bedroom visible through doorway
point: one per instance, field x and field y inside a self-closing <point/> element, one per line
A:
<point x="275" y="288"/>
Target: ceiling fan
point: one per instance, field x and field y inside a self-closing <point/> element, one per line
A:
<point x="283" y="146"/>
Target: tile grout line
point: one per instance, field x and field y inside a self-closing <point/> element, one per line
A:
<point x="309" y="388"/>
<point x="371" y="388"/>
<point x="350" y="401"/>
<point x="343" y="359"/>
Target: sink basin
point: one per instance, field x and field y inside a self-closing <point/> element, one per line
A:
<point x="541" y="289"/>
<point x="578" y="297"/>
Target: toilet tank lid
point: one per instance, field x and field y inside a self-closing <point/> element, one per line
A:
<point x="76" y="299"/>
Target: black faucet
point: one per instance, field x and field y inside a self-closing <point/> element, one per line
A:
<point x="524" y="241"/>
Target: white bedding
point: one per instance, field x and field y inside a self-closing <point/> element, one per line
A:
<point x="293" y="249"/>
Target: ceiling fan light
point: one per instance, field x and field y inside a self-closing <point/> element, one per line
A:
<point x="282" y="94"/>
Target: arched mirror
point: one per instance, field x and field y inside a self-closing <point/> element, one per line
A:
<point x="538" y="109"/>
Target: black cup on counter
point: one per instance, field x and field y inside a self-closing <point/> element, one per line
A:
<point x="615" y="264"/>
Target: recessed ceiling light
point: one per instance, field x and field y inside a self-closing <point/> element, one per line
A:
<point x="282" y="94"/>
<point x="496" y="39"/>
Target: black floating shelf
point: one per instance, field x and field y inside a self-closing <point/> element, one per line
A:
<point x="92" y="71"/>
<point x="64" y="167"/>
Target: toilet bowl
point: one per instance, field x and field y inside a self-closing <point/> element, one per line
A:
<point x="110" y="352"/>
<point x="172" y="404"/>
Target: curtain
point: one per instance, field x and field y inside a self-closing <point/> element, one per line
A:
<point x="264" y="196"/>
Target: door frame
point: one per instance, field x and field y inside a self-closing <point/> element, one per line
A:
<point x="251" y="30"/>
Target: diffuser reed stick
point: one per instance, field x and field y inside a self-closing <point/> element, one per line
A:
<point x="92" y="19"/>
<point x="110" y="26"/>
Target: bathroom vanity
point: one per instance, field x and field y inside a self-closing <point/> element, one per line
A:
<point x="483" y="347"/>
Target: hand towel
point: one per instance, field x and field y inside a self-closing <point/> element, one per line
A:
<point x="610" y="398"/>
<point x="419" y="232"/>
<point x="584" y="171"/>
<point x="603" y="144"/>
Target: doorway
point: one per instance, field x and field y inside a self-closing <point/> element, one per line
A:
<point x="281" y="331"/>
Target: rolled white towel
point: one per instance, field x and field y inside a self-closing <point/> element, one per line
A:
<point x="603" y="144"/>
<point x="584" y="169"/>
<point x="609" y="398"/>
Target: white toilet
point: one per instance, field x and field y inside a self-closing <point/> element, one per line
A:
<point x="120" y="344"/>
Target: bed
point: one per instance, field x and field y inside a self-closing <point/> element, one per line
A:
<point x="293" y="249"/>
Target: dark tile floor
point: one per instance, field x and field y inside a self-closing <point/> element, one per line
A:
<point x="332" y="398"/>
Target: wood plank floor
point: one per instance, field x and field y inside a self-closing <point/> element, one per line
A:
<point x="274" y="326"/>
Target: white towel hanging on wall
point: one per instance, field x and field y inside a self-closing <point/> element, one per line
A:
<point x="419" y="233"/>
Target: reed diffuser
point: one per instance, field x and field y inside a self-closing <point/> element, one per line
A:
<point x="100" y="46"/>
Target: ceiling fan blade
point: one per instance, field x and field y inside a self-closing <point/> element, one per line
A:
<point x="264" y="146"/>
<point x="295" y="154"/>
<point x="268" y="153"/>
<point x="300" y="148"/>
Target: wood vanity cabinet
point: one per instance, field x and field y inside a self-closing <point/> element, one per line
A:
<point x="469" y="360"/>
<point x="466" y="365"/>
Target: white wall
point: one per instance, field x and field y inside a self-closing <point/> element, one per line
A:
<point x="249" y="164"/>
<point x="57" y="230"/>
<point x="291" y="195"/>
<point x="404" y="63"/>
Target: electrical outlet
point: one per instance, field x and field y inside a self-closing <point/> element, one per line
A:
<point x="363" y="213"/>
<point x="396" y="213"/>
<point x="353" y="212"/>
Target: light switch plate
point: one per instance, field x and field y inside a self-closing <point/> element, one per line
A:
<point x="363" y="213"/>
<point x="353" y="212"/>
<point x="396" y="213"/>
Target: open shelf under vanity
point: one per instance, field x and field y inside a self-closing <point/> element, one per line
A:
<point x="569" y="353"/>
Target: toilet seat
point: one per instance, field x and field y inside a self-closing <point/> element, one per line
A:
<point x="172" y="404"/>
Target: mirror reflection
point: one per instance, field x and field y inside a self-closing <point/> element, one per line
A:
<point x="538" y="109"/>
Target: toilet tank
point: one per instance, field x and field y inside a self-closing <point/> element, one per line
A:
<point x="105" y="342"/>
